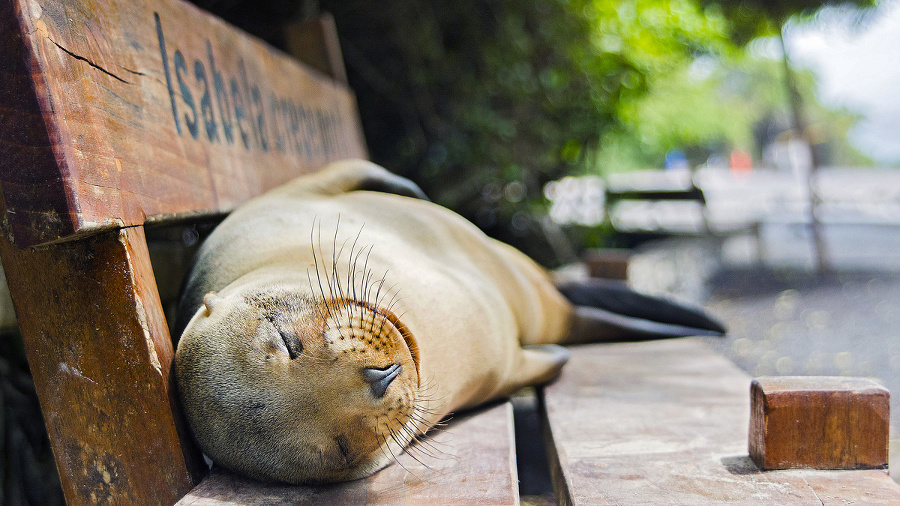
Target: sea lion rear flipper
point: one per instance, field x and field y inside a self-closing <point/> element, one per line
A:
<point x="607" y="311"/>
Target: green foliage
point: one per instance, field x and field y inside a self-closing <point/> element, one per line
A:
<point x="482" y="102"/>
<point x="681" y="110"/>
<point x="721" y="105"/>
<point x="760" y="18"/>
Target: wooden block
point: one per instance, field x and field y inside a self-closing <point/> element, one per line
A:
<point x="470" y="461"/>
<point x="100" y="354"/>
<point x="118" y="112"/>
<point x="665" y="422"/>
<point x="819" y="423"/>
<point x="608" y="263"/>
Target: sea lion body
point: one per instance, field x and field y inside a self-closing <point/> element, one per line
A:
<point x="368" y="284"/>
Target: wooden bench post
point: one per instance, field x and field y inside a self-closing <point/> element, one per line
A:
<point x="100" y="354"/>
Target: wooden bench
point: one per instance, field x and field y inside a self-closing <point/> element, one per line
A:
<point x="124" y="117"/>
<point x="649" y="194"/>
<point x="667" y="422"/>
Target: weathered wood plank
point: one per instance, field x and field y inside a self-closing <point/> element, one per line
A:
<point x="315" y="43"/>
<point x="607" y="263"/>
<point x="118" y="112"/>
<point x="666" y="422"/>
<point x="470" y="461"/>
<point x="839" y="488"/>
<point x="100" y="354"/>
<point x="819" y="422"/>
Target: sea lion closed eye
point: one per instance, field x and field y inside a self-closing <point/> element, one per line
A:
<point x="326" y="327"/>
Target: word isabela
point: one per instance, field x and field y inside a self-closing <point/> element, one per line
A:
<point x="235" y="110"/>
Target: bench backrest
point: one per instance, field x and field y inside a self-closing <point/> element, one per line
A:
<point x="128" y="111"/>
<point x="118" y="114"/>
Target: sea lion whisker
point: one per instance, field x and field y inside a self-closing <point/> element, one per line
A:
<point x="378" y="294"/>
<point x="352" y="262"/>
<point x="422" y="441"/>
<point x="412" y="455"/>
<point x="326" y="312"/>
<point x="424" y="395"/>
<point x="395" y="298"/>
<point x="423" y="410"/>
<point x="423" y="422"/>
<point x="328" y="277"/>
<point x="312" y="246"/>
<point x="380" y="287"/>
<point x="335" y="257"/>
<point x="383" y="445"/>
<point x="420" y="457"/>
<point x="372" y="320"/>
<point x="415" y="447"/>
<point x="428" y="440"/>
<point x="423" y="445"/>
<point x="368" y="272"/>
<point x="322" y="256"/>
<point x="389" y="310"/>
<point x="395" y="457"/>
<point x="367" y="279"/>
<point x="394" y="293"/>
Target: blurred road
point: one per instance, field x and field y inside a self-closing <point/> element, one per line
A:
<point x="784" y="319"/>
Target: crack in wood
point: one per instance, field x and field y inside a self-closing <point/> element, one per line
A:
<point x="811" y="489"/>
<point x="92" y="64"/>
<point x="135" y="72"/>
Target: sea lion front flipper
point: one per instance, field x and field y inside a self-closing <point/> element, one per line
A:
<point x="539" y="364"/>
<point x="352" y="175"/>
<point x="392" y="183"/>
<point x="607" y="311"/>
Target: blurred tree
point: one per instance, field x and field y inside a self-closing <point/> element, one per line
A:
<point x="483" y="102"/>
<point x="715" y="104"/>
<point x="755" y="18"/>
<point x="750" y="19"/>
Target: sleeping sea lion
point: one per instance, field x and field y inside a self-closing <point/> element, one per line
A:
<point x="326" y="327"/>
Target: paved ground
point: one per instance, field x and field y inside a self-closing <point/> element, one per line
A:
<point x="783" y="319"/>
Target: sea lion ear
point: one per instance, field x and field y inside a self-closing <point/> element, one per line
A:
<point x="210" y="301"/>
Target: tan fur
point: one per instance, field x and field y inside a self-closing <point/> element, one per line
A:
<point x="454" y="309"/>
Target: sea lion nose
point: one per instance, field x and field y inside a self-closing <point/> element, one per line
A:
<point x="381" y="378"/>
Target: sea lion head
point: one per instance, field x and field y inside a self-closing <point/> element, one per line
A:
<point x="281" y="385"/>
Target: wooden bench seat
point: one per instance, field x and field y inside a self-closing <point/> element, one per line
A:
<point x="470" y="461"/>
<point x="666" y="422"/>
